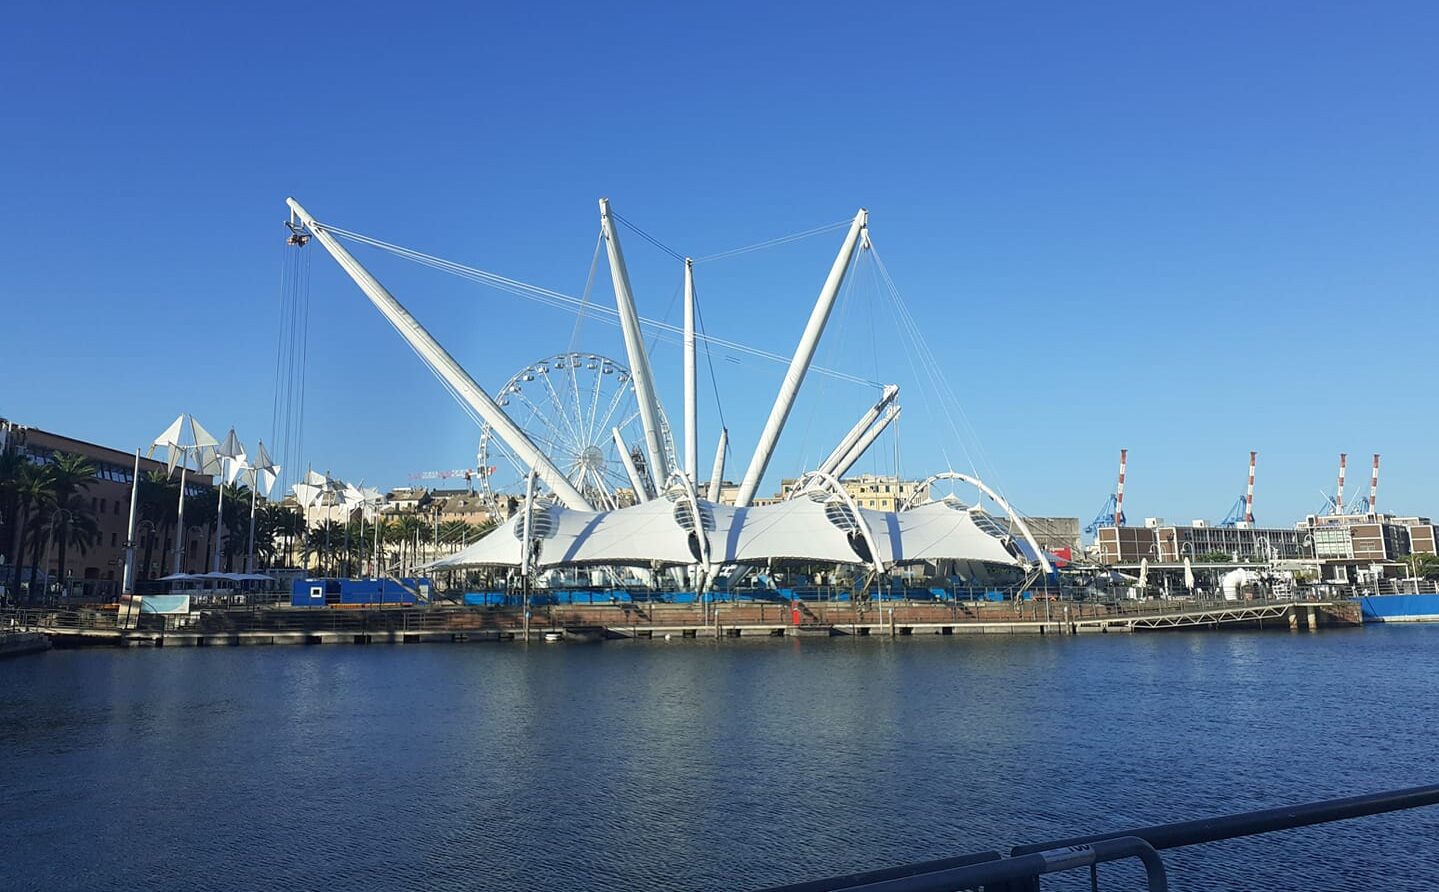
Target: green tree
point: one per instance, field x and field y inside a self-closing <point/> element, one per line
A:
<point x="73" y="526"/>
<point x="235" y="525"/>
<point x="408" y="530"/>
<point x="158" y="499"/>
<point x="1422" y="566"/>
<point x="11" y="463"/>
<point x="69" y="476"/>
<point x="326" y="542"/>
<point x="33" y="495"/>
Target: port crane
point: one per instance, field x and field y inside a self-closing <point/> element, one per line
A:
<point x="1112" y="514"/>
<point x="1243" y="509"/>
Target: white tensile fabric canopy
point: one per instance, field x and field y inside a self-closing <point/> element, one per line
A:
<point x="948" y="530"/>
<point x="814" y="526"/>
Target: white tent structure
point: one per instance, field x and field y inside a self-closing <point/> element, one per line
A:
<point x="671" y="526"/>
<point x="815" y="525"/>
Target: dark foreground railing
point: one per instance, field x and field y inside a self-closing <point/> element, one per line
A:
<point x="1021" y="869"/>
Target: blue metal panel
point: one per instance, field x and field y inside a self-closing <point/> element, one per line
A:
<point x="1399" y="608"/>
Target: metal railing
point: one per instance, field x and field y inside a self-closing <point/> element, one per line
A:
<point x="1021" y="869"/>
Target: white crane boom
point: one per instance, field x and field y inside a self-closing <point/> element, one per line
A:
<point x="692" y="446"/>
<point x="859" y="448"/>
<point x="800" y="362"/>
<point x="717" y="472"/>
<point x="840" y="451"/>
<point x="445" y="365"/>
<point x="643" y="380"/>
<point x="642" y="490"/>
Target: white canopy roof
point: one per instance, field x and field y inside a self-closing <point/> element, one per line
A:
<point x="814" y="526"/>
<point x="947" y="530"/>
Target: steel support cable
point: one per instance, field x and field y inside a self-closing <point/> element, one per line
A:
<point x="775" y="242"/>
<point x="647" y="237"/>
<point x="279" y="346"/>
<point x="924" y="392"/>
<point x="937" y="373"/>
<point x="948" y="399"/>
<point x="585" y="295"/>
<point x="709" y="357"/>
<point x="566" y="302"/>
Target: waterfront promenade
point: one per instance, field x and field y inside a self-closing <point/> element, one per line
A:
<point x="221" y="628"/>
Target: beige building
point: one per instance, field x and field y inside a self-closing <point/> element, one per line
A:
<point x="97" y="573"/>
<point x="879" y="492"/>
<point x="406" y="500"/>
<point x="463" y="506"/>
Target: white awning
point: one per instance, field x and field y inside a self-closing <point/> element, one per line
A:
<point x="947" y="530"/>
<point x="811" y="527"/>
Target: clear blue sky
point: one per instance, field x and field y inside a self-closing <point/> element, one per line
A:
<point x="1191" y="231"/>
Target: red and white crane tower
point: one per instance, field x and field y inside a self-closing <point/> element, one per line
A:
<point x="1119" y="489"/>
<point x="1249" y="491"/>
<point x="1339" y="492"/>
<point x="1374" y="485"/>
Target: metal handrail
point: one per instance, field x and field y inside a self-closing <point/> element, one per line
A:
<point x="1020" y="871"/>
<point x="1286" y="817"/>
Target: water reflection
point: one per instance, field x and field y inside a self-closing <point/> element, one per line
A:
<point x="694" y="764"/>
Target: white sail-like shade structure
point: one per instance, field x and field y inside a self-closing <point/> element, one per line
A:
<point x="802" y="528"/>
<point x="947" y="530"/>
<point x="814" y="526"/>
<point x="647" y="533"/>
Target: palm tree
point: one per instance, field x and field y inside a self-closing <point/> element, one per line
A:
<point x="11" y="461"/>
<point x="159" y="498"/>
<point x="39" y="529"/>
<point x="272" y="522"/>
<point x="69" y="475"/>
<point x="324" y="541"/>
<point x="456" y="534"/>
<point x="199" y="516"/>
<point x="32" y="496"/>
<point x="73" y="524"/>
<point x="235" y="523"/>
<point x="408" y="529"/>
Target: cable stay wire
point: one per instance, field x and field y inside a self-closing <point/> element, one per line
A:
<point x="585" y="295"/>
<point x="647" y="237"/>
<point x="669" y="332"/>
<point x="774" y="242"/>
<point x="949" y="400"/>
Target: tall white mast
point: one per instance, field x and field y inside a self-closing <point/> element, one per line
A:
<point x="445" y="365"/>
<point x="845" y="445"/>
<point x="180" y="536"/>
<point x="858" y="449"/>
<point x="799" y="364"/>
<point x="127" y="582"/>
<point x="692" y="446"/>
<point x="717" y="472"/>
<point x="642" y="490"/>
<point x="659" y="465"/>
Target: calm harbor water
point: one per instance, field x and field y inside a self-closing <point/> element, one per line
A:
<point x="694" y="765"/>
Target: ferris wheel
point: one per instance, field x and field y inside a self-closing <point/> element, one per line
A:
<point x="569" y="406"/>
